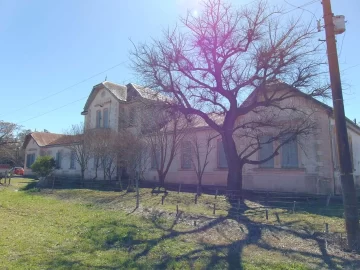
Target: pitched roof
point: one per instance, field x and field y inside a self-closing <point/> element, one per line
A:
<point x="117" y="90"/>
<point x="123" y="92"/>
<point x="147" y="93"/>
<point x="48" y="139"/>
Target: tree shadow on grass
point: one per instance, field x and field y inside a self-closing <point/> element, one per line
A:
<point x="30" y="185"/>
<point x="159" y="243"/>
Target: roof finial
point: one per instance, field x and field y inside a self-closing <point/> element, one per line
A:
<point x="105" y="78"/>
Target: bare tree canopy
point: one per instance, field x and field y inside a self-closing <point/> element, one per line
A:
<point x="7" y="132"/>
<point x="81" y="146"/>
<point x="236" y="64"/>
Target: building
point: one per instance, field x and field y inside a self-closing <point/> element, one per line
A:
<point x="308" y="165"/>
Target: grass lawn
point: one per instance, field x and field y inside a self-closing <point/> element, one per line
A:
<point x="87" y="229"/>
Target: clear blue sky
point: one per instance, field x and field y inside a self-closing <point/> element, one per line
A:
<point x="47" y="46"/>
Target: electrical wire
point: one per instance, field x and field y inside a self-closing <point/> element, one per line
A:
<point x="314" y="16"/>
<point x="65" y="89"/>
<point x="52" y="110"/>
<point x="342" y="42"/>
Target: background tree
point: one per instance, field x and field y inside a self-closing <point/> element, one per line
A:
<point x="227" y="63"/>
<point x="201" y="149"/>
<point x="164" y="129"/>
<point x="106" y="145"/>
<point x="9" y="144"/>
<point x="81" y="141"/>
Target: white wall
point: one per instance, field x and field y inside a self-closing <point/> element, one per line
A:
<point x="65" y="170"/>
<point x="105" y="99"/>
<point x="31" y="148"/>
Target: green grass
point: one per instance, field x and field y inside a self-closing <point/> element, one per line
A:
<point x="87" y="229"/>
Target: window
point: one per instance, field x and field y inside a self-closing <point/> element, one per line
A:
<point x="222" y="162"/>
<point x="58" y="160"/>
<point x="132" y="117"/>
<point x="266" y="150"/>
<point x="186" y="155"/>
<point x="155" y="158"/>
<point x="72" y="160"/>
<point x="30" y="159"/>
<point x="98" y="119"/>
<point x="289" y="155"/>
<point x="106" y="118"/>
<point x="122" y="118"/>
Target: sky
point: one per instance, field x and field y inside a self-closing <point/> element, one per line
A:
<point x="53" y="52"/>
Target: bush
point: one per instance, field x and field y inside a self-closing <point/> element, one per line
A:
<point x="43" y="166"/>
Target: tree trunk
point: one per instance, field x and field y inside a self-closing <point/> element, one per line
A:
<point x="161" y="180"/>
<point x="234" y="178"/>
<point x="82" y="177"/>
<point x="199" y="187"/>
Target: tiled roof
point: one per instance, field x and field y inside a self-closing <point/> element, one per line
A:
<point x="119" y="91"/>
<point x="47" y="139"/>
<point x="148" y="93"/>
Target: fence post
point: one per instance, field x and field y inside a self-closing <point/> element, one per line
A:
<point x="267" y="214"/>
<point x="326" y="227"/>
<point x="214" y="209"/>
<point x="196" y="199"/>
<point x="177" y="210"/>
<point x="294" y="206"/>
<point x="194" y="222"/>
<point x="179" y="188"/>
<point x="162" y="199"/>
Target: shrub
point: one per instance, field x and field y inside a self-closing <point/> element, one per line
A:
<point x="43" y="166"/>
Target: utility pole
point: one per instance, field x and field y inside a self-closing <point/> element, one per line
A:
<point x="346" y="169"/>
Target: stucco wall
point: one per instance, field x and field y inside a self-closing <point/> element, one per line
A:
<point x="354" y="140"/>
<point x="31" y="148"/>
<point x="314" y="174"/>
<point x="103" y="100"/>
<point x="64" y="170"/>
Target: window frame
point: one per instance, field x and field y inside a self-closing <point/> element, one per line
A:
<point x="98" y="119"/>
<point x="183" y="164"/>
<point x="219" y="141"/>
<point x="265" y="165"/>
<point x="106" y="119"/>
<point x="291" y="166"/>
<point x="72" y="160"/>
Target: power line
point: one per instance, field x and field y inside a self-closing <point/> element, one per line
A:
<point x="52" y="110"/>
<point x="350" y="67"/>
<point x="67" y="88"/>
<point x="314" y="16"/>
<point x="299" y="7"/>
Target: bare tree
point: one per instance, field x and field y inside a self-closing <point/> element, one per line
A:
<point x="227" y="63"/>
<point x="201" y="149"/>
<point x="163" y="134"/>
<point x="7" y="133"/>
<point x="106" y="144"/>
<point x="80" y="141"/>
<point x="9" y="143"/>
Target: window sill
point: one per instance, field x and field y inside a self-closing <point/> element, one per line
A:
<point x="280" y="169"/>
<point x="221" y="169"/>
